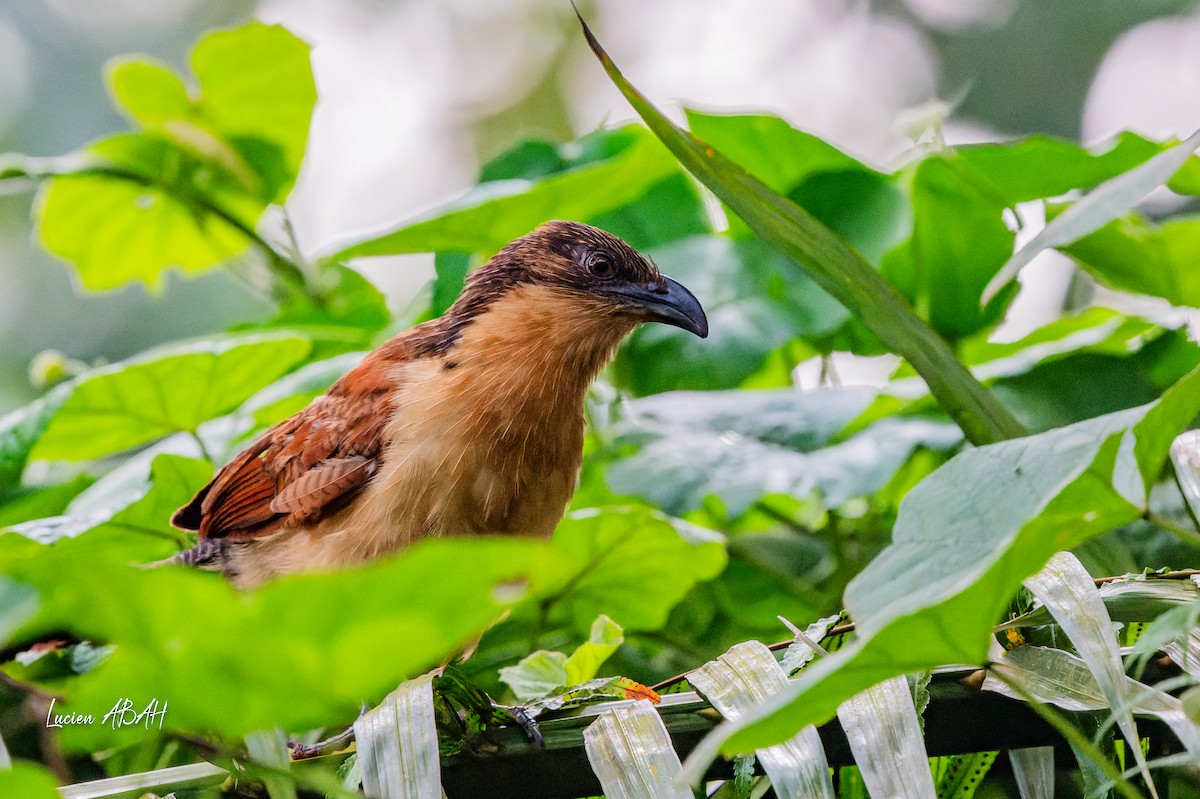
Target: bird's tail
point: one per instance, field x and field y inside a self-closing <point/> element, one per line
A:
<point x="207" y="554"/>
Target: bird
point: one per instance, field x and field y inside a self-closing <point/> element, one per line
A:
<point x="468" y="424"/>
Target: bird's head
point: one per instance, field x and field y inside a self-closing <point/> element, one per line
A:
<point x="581" y="276"/>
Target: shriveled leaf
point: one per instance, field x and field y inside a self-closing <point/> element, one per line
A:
<point x="1034" y="771"/>
<point x="1066" y="589"/>
<point x="167" y="391"/>
<point x="631" y="753"/>
<point x="739" y="681"/>
<point x="885" y="737"/>
<point x="397" y="744"/>
<point x="1100" y="207"/>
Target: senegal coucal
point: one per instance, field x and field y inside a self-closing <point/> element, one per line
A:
<point x="468" y="424"/>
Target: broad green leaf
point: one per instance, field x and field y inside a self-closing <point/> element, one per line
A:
<point x="167" y="391"/>
<point x="631" y="565"/>
<point x="18" y="604"/>
<point x="537" y="674"/>
<point x="965" y="538"/>
<point x="28" y="781"/>
<point x="115" y="232"/>
<point x="585" y="662"/>
<point x="349" y="315"/>
<point x="492" y="214"/>
<point x="257" y="91"/>
<point x="188" y="638"/>
<point x="837" y="268"/>
<point x="1134" y="255"/>
<point x="295" y="390"/>
<point x="779" y="155"/>
<point x="1110" y="201"/>
<point x="149" y="92"/>
<point x="740" y="446"/>
<point x="19" y="505"/>
<point x="1036" y="167"/>
<point x="756" y="301"/>
<point x="21" y="429"/>
<point x="958" y="242"/>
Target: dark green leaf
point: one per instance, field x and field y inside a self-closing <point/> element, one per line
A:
<point x="631" y="565"/>
<point x="756" y="301"/>
<point x="740" y="446"/>
<point x="1134" y="255"/>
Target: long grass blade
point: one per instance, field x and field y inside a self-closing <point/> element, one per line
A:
<point x="270" y="748"/>
<point x="742" y="679"/>
<point x="835" y="266"/>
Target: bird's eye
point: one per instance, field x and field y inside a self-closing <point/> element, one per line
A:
<point x="601" y="264"/>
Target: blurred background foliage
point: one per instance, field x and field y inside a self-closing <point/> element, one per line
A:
<point x="418" y="95"/>
<point x="729" y="497"/>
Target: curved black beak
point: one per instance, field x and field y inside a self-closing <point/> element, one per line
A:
<point x="666" y="301"/>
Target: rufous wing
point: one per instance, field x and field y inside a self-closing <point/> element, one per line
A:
<point x="305" y="467"/>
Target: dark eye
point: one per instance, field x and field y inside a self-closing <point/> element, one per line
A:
<point x="600" y="264"/>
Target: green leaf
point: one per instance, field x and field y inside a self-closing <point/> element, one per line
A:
<point x="20" y="430"/>
<point x="1112" y="200"/>
<point x="965" y="538"/>
<point x="149" y="92"/>
<point x="117" y="231"/>
<point x="349" y="315"/>
<point x="189" y="639"/>
<point x="779" y="155"/>
<point x="257" y="91"/>
<point x="958" y="243"/>
<point x="632" y="565"/>
<point x="164" y="392"/>
<point x="536" y="675"/>
<point x="585" y="662"/>
<point x="22" y="504"/>
<point x="18" y="604"/>
<point x="756" y="301"/>
<point x="1134" y="255"/>
<point x="838" y="269"/>
<point x="742" y="445"/>
<point x="28" y="781"/>
<point x="492" y="214"/>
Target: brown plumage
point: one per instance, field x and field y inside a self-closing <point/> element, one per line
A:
<point x="467" y="424"/>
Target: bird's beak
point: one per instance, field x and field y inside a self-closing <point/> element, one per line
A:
<point x="667" y="301"/>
